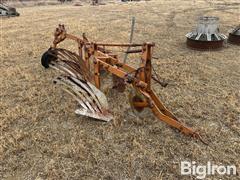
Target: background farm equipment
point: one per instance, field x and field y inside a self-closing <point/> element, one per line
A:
<point x="234" y="36"/>
<point x="8" y="11"/>
<point x="63" y="1"/>
<point x="82" y="72"/>
<point x="206" y="36"/>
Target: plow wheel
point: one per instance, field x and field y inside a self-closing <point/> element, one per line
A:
<point x="137" y="101"/>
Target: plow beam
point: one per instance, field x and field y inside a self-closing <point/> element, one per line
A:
<point x="163" y="114"/>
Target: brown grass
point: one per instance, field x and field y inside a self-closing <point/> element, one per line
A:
<point x="42" y="138"/>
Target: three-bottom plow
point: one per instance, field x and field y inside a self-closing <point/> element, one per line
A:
<point x="81" y="77"/>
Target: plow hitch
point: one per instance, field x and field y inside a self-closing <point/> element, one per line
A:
<point x="81" y="71"/>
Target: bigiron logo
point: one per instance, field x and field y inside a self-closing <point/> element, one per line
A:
<point x="201" y="171"/>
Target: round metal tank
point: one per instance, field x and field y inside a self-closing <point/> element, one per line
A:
<point x="234" y="36"/>
<point x="206" y="35"/>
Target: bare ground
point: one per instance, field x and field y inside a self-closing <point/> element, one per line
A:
<point x="42" y="138"/>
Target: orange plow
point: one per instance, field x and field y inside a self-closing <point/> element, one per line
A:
<point x="81" y="77"/>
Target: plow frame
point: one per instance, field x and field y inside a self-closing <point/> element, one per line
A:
<point x="139" y="78"/>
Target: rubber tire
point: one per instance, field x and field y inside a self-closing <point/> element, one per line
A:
<point x="47" y="58"/>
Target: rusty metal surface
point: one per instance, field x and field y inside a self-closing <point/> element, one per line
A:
<point x="204" y="45"/>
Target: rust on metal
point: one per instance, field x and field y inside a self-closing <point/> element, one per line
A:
<point x="204" y="45"/>
<point x="82" y="72"/>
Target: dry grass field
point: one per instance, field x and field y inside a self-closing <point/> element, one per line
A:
<point x="42" y="138"/>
